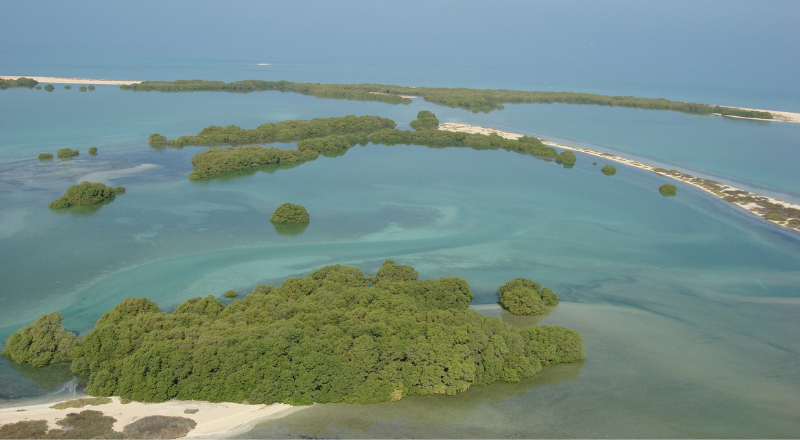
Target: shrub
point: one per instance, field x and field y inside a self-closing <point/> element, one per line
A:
<point x="65" y="153"/>
<point x="526" y="297"/>
<point x="668" y="190"/>
<point x="230" y="294"/>
<point x="594" y="163"/>
<point x="38" y="87"/>
<point x="49" y="87"/>
<point x="91" y="88"/>
<point x="85" y="193"/>
<point x="93" y="151"/>
<point x="608" y="170"/>
<point x="119" y="190"/>
<point x="24" y="429"/>
<point x="775" y="217"/>
<point x="80" y="403"/>
<point x="159" y="427"/>
<point x="42" y="343"/>
<point x="566" y="158"/>
<point x="82" y="88"/>
<point x="67" y="87"/>
<point x="43" y="156"/>
<point x="426" y="120"/>
<point x="191" y="411"/>
<point x="289" y="213"/>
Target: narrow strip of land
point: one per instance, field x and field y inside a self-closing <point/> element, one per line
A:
<point x="775" y="211"/>
<point x="60" y="80"/>
<point x="213" y="419"/>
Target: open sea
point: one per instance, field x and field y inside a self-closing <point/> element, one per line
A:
<point x="688" y="305"/>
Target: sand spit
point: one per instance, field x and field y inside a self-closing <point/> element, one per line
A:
<point x="776" y="115"/>
<point x="402" y="96"/>
<point x="213" y="419"/>
<point x="60" y="80"/>
<point x="775" y="211"/>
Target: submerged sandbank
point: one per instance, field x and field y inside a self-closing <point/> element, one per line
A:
<point x="751" y="202"/>
<point x="213" y="419"/>
<point x="61" y="80"/>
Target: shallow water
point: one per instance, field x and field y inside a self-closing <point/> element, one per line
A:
<point x="687" y="304"/>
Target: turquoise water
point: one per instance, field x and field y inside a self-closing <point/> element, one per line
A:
<point x="687" y="304"/>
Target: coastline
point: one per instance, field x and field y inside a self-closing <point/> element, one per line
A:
<point x="751" y="202"/>
<point x="61" y="80"/>
<point x="214" y="420"/>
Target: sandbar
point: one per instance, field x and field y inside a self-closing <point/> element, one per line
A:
<point x="60" y="80"/>
<point x="749" y="201"/>
<point x="213" y="419"/>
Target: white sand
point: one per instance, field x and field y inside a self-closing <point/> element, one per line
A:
<point x="60" y="80"/>
<point x="724" y="192"/>
<point x="107" y="176"/>
<point x="213" y="419"/>
<point x="776" y="115"/>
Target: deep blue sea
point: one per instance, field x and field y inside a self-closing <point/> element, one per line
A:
<point x="687" y="305"/>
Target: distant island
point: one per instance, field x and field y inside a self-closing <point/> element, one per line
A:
<point x="335" y="335"/>
<point x="86" y="193"/>
<point x="475" y="100"/>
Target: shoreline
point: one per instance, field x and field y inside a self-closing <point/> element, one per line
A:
<point x="62" y="80"/>
<point x="751" y="202"/>
<point x="214" y="420"/>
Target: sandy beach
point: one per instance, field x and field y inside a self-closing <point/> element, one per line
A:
<point x="214" y="420"/>
<point x="751" y="202"/>
<point x="776" y="115"/>
<point x="60" y="80"/>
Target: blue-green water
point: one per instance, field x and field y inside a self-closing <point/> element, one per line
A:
<point x="687" y="304"/>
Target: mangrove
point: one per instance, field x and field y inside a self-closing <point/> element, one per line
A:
<point x="290" y="213"/>
<point x="668" y="190"/>
<point x="526" y="297"/>
<point x="86" y="193"/>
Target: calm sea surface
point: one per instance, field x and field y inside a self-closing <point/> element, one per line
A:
<point x="688" y="305"/>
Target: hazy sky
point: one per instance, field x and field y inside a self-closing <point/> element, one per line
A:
<point x="635" y="36"/>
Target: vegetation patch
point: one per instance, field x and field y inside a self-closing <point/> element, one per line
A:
<point x="426" y="120"/>
<point x="159" y="427"/>
<point x="668" y="190"/>
<point x="80" y="403"/>
<point x="49" y="87"/>
<point x="93" y="151"/>
<point x="290" y="213"/>
<point x="526" y="297"/>
<point x="85" y="193"/>
<point x="42" y="343"/>
<point x="775" y="217"/>
<point x="82" y="88"/>
<point x="231" y="294"/>
<point x="608" y="170"/>
<point x="66" y="153"/>
<point x="566" y="158"/>
<point x="19" y="82"/>
<point x="335" y="335"/>
<point x="45" y="156"/>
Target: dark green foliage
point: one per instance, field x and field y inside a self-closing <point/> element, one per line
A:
<point x="525" y="297"/>
<point x="289" y="213"/>
<point x="775" y="217"/>
<point x="42" y="343"/>
<point x="43" y="156"/>
<point x="119" y="190"/>
<point x="24" y="429"/>
<point x="594" y="163"/>
<point x="38" y="87"/>
<point x="82" y="88"/>
<point x="67" y="87"/>
<point x="159" y="427"/>
<point x="93" y="151"/>
<point x="230" y="294"/>
<point x="85" y="193"/>
<point x="426" y="120"/>
<point x="66" y="153"/>
<point x="475" y="100"/>
<point x="91" y="88"/>
<point x="668" y="190"/>
<point x="608" y="170"/>
<point x="49" y="87"/>
<point x="327" y="337"/>
<point x="19" y="82"/>
<point x="284" y="131"/>
<point x="566" y="158"/>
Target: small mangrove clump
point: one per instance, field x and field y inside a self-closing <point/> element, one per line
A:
<point x="67" y="87"/>
<point x="289" y="213"/>
<point x="66" y="153"/>
<point x="91" y="88"/>
<point x="44" y="156"/>
<point x="42" y="343"/>
<point x="93" y="151"/>
<point x="426" y="120"/>
<point x="230" y="294"/>
<point x="668" y="190"/>
<point x="49" y="87"/>
<point x="526" y="297"/>
<point x="82" y="88"/>
<point x="566" y="158"/>
<point x="608" y="170"/>
<point x="85" y="193"/>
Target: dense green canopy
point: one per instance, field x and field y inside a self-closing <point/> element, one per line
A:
<point x="475" y="100"/>
<point x="608" y="170"/>
<point x="526" y="297"/>
<point x="668" y="190"/>
<point x="66" y="153"/>
<point x="86" y="193"/>
<point x="19" y="82"/>
<point x="426" y="120"/>
<point x="289" y="213"/>
<point x="42" y="343"/>
<point x="332" y="336"/>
